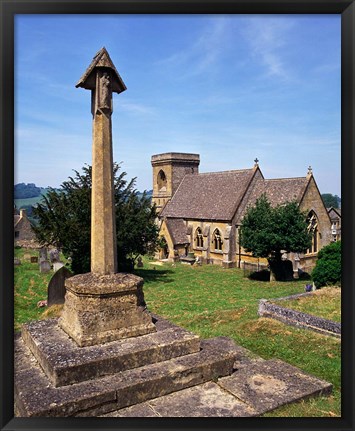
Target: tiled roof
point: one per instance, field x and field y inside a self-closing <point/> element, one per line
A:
<point x="280" y="190"/>
<point x="177" y="230"/>
<point x="209" y="196"/>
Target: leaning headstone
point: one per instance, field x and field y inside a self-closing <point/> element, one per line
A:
<point x="17" y="261"/>
<point x="34" y="259"/>
<point x="54" y="255"/>
<point x="44" y="266"/>
<point x="56" y="289"/>
<point x="57" y="266"/>
<point x="43" y="254"/>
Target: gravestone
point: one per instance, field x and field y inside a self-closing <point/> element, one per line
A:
<point x="57" y="265"/>
<point x="56" y="287"/>
<point x="44" y="266"/>
<point x="27" y="256"/>
<point x="139" y="262"/>
<point x="54" y="255"/>
<point x="17" y="261"/>
<point x="34" y="259"/>
<point x="43" y="254"/>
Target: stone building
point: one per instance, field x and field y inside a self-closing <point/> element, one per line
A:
<point x="202" y="212"/>
<point x="335" y="218"/>
<point x="22" y="227"/>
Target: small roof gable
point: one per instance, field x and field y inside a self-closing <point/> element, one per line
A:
<point x="16" y="219"/>
<point x="177" y="230"/>
<point x="101" y="59"/>
<point x="334" y="212"/>
<point x="209" y="196"/>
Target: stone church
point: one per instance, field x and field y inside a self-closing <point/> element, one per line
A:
<point x="201" y="213"/>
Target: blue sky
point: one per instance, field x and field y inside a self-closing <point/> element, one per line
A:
<point x="228" y="87"/>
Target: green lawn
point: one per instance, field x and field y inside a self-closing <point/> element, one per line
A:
<point x="325" y="303"/>
<point x="212" y="301"/>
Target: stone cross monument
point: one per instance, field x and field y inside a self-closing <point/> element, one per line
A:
<point x="102" y="78"/>
<point x="103" y="305"/>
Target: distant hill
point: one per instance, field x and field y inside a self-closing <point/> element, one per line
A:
<point x="29" y="195"/>
<point x="26" y="191"/>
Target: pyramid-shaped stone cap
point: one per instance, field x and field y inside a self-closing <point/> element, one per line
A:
<point x="101" y="60"/>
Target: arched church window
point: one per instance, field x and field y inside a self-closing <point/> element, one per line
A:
<point x="161" y="180"/>
<point x="312" y="222"/>
<point x="199" y="238"/>
<point x="217" y="240"/>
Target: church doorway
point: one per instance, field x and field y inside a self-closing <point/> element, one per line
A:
<point x="164" y="249"/>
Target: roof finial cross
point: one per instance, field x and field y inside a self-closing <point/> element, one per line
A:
<point x="256" y="161"/>
<point x="309" y="170"/>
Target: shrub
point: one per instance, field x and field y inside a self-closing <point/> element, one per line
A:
<point x="328" y="268"/>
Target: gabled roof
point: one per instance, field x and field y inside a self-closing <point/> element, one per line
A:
<point x="281" y="190"/>
<point x="334" y="212"/>
<point x="16" y="219"/>
<point x="209" y="196"/>
<point x="101" y="59"/>
<point x="177" y="231"/>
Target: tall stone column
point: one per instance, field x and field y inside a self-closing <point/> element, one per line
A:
<point x="103" y="305"/>
<point x="103" y="228"/>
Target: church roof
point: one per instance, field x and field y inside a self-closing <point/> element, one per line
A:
<point x="281" y="190"/>
<point x="209" y="196"/>
<point x="177" y="231"/>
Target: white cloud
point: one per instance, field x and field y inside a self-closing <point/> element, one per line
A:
<point x="203" y="52"/>
<point x="267" y="38"/>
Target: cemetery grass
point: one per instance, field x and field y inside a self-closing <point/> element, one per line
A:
<point x="212" y="301"/>
<point x="30" y="286"/>
<point x="325" y="303"/>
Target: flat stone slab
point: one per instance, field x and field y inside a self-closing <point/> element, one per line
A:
<point x="270" y="384"/>
<point x="36" y="396"/>
<point x="64" y="362"/>
<point x="206" y="400"/>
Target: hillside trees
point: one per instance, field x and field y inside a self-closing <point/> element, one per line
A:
<point x="64" y="220"/>
<point x="25" y="191"/>
<point x="268" y="232"/>
<point x="331" y="200"/>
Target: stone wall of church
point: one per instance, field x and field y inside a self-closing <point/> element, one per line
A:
<point x="208" y="253"/>
<point x="312" y="201"/>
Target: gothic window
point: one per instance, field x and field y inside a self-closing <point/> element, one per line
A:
<point x="217" y="240"/>
<point x="161" y="181"/>
<point x="199" y="238"/>
<point x="312" y="221"/>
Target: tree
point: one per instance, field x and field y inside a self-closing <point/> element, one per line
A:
<point x="269" y="232"/>
<point x="64" y="220"/>
<point x="328" y="267"/>
<point x="331" y="200"/>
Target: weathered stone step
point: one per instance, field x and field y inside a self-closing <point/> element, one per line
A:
<point x="256" y="388"/>
<point x="36" y="396"/>
<point x="65" y="363"/>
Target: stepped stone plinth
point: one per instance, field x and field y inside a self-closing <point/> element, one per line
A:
<point x="101" y="308"/>
<point x="64" y="362"/>
<point x="55" y="377"/>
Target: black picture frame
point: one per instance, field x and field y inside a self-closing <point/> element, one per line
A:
<point x="8" y="10"/>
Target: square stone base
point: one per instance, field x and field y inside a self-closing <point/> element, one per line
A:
<point x="103" y="308"/>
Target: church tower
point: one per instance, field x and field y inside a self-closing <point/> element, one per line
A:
<point x="168" y="171"/>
